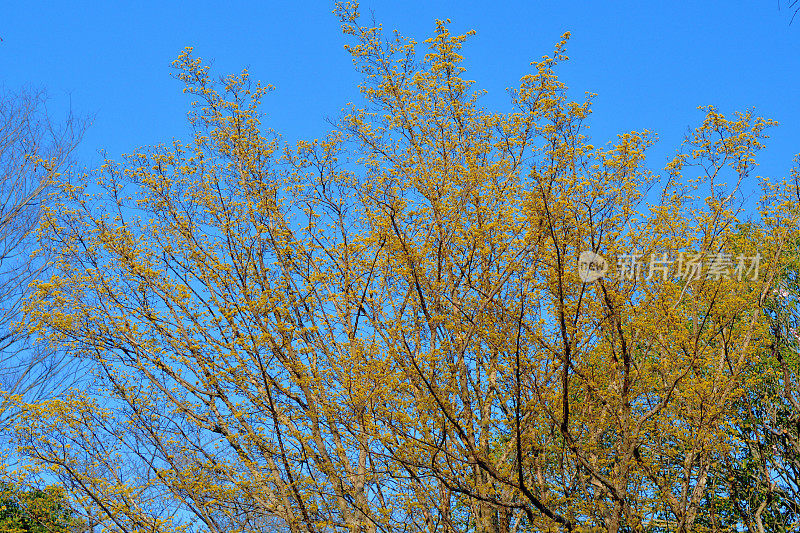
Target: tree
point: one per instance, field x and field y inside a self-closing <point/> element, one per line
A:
<point x="385" y="329"/>
<point x="761" y="479"/>
<point x="36" y="511"/>
<point x="794" y="6"/>
<point x="33" y="151"/>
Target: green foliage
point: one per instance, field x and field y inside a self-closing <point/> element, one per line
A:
<point x="760" y="481"/>
<point x="35" y="511"/>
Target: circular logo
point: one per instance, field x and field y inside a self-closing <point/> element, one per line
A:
<point x="591" y="267"/>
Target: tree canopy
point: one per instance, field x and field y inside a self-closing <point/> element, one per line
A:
<point x="34" y="149"/>
<point x="36" y="510"/>
<point x="385" y="329"/>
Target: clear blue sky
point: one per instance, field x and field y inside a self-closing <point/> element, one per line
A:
<point x="651" y="63"/>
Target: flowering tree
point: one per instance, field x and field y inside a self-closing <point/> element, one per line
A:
<point x="761" y="477"/>
<point x="33" y="151"/>
<point x="385" y="329"/>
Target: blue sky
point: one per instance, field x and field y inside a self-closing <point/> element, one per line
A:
<point x="651" y="63"/>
